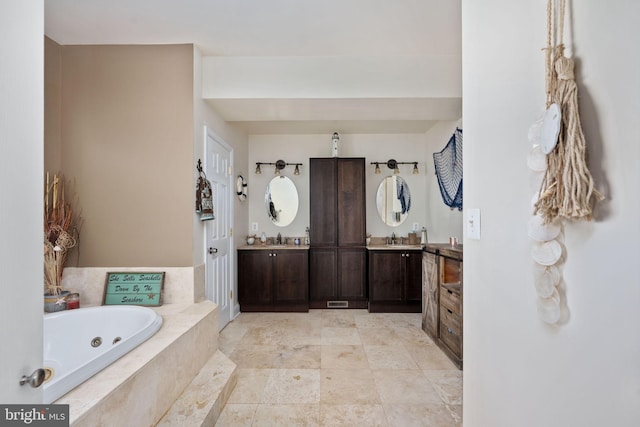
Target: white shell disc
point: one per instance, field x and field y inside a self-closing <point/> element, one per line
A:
<point x="550" y="128"/>
<point x="536" y="159"/>
<point x="549" y="308"/>
<point x="546" y="253"/>
<point x="546" y="278"/>
<point x="541" y="232"/>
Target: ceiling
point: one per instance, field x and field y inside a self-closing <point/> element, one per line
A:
<point x="283" y="28"/>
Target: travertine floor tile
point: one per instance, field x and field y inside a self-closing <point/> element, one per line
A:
<point x="338" y="368"/>
<point x="287" y="386"/>
<point x="405" y="386"/>
<point x="429" y="357"/>
<point x="254" y="356"/>
<point x="448" y="384"/>
<point x="389" y="357"/>
<point x="340" y="336"/>
<point x="352" y="416"/>
<point x="418" y="415"/>
<point x="298" y="357"/>
<point x="347" y="386"/>
<point x="379" y="336"/>
<point x="237" y="415"/>
<point x="343" y="357"/>
<point x="271" y="415"/>
<point x="250" y="385"/>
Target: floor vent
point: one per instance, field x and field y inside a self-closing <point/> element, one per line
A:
<point x="337" y="304"/>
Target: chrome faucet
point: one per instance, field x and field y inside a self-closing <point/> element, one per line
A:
<point x="393" y="238"/>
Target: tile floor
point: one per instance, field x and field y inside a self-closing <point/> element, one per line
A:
<point x="338" y="368"/>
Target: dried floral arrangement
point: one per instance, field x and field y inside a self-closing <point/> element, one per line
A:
<point x="61" y="232"/>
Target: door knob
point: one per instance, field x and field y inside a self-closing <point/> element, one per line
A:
<point x="213" y="251"/>
<point x="35" y="379"/>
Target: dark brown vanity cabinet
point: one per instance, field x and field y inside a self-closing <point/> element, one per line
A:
<point x="273" y="280"/>
<point x="337" y="257"/>
<point x="395" y="281"/>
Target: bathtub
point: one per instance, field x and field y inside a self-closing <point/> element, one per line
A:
<point x="80" y="343"/>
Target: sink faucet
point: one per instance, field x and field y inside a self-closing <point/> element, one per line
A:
<point x="279" y="239"/>
<point x="393" y="238"/>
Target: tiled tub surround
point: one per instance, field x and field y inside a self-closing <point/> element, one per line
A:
<point x="141" y="386"/>
<point x="338" y="368"/>
<point x="181" y="284"/>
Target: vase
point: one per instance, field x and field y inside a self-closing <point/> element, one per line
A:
<point x="53" y="303"/>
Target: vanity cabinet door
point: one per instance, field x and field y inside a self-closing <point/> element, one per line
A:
<point x="273" y="280"/>
<point x="323" y="276"/>
<point x="385" y="276"/>
<point x="351" y="202"/>
<point x="290" y="276"/>
<point x="352" y="269"/>
<point x="323" y="185"/>
<point x="255" y="273"/>
<point x="430" y="291"/>
<point x="413" y="277"/>
<point x="395" y="281"/>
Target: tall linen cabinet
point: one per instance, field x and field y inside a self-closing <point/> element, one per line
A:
<point x="337" y="256"/>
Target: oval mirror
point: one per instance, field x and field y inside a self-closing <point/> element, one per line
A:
<point x="281" y="201"/>
<point x="393" y="200"/>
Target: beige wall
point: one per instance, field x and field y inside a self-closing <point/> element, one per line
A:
<point x="127" y="141"/>
<point x="52" y="107"/>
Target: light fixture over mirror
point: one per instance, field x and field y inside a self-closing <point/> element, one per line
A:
<point x="393" y="165"/>
<point x="279" y="165"/>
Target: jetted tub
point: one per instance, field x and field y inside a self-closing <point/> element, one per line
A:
<point x="80" y="343"/>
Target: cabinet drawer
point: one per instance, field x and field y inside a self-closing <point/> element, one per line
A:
<point x="451" y="319"/>
<point x="451" y="300"/>
<point x="451" y="337"/>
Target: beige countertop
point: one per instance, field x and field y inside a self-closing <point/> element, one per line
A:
<point x="397" y="247"/>
<point x="261" y="247"/>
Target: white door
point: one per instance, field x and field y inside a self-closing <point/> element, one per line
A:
<point x="22" y="189"/>
<point x="218" y="231"/>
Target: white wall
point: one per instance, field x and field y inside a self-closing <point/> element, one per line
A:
<point x="427" y="208"/>
<point x="519" y="371"/>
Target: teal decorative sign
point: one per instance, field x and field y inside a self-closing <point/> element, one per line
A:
<point x="133" y="288"/>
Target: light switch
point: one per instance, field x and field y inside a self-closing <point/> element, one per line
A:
<point x="473" y="224"/>
<point x="416" y="226"/>
<point x="254" y="226"/>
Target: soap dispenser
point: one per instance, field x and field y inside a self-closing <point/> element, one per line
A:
<point x="423" y="237"/>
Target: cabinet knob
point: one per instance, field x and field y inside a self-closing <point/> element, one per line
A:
<point x="450" y="331"/>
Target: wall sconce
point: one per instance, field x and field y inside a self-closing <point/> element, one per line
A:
<point x="393" y="164"/>
<point x="279" y="165"/>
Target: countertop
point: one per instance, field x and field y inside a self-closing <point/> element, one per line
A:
<point x="261" y="247"/>
<point x="445" y="249"/>
<point x="397" y="247"/>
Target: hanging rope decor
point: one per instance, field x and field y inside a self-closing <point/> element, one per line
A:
<point x="567" y="189"/>
<point x="448" y="166"/>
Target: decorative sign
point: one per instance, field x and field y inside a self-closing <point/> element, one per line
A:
<point x="134" y="288"/>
